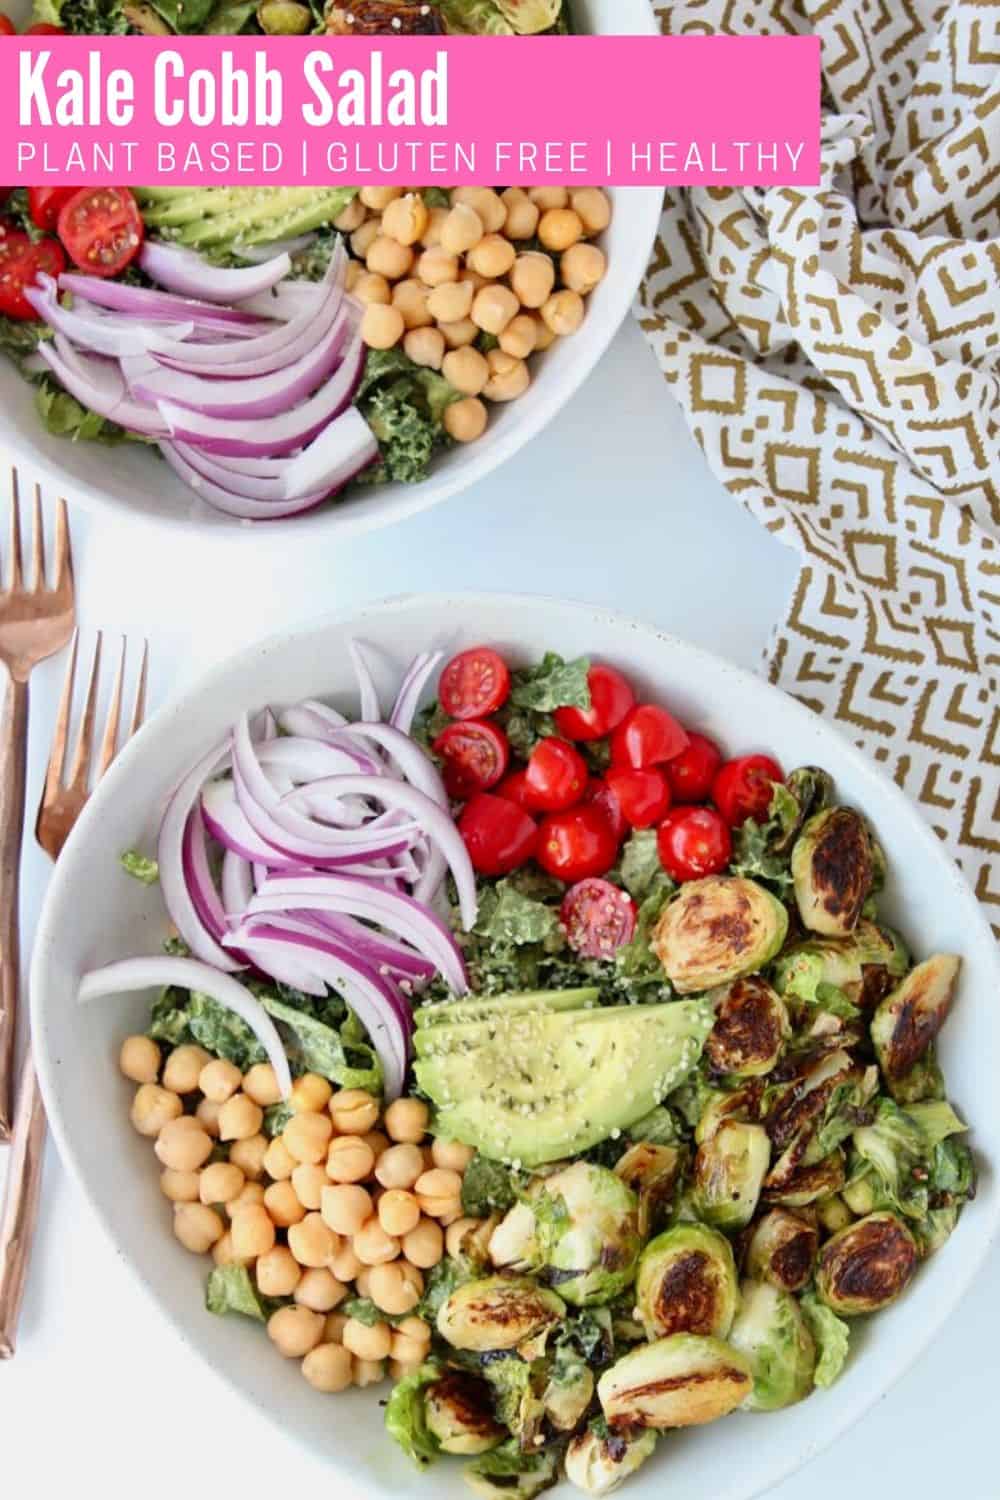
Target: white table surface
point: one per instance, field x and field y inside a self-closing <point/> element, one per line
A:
<point x="613" y="504"/>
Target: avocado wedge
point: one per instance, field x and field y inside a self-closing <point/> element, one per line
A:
<point x="484" y="1007"/>
<point x="237" y="216"/>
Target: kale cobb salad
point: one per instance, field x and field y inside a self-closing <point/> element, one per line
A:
<point x="526" y="1052"/>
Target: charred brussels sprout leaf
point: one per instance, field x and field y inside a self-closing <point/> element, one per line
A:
<point x="406" y="1415"/>
<point x="497" y="1313"/>
<point x="716" y="930"/>
<point x="506" y="1472"/>
<point x="831" y="1336"/>
<point x="806" y="791"/>
<point x="653" y="1173"/>
<point x="833" y="870"/>
<point x="909" y="1019"/>
<point x="751" y="1027"/>
<point x="686" y="1283"/>
<point x="782" y="1250"/>
<point x="515" y="1387"/>
<point x="459" y="1415"/>
<point x="681" y="1381"/>
<point x="598" y="1462"/>
<point x="772" y="1332"/>
<point x="866" y="1266"/>
<point x="729" y="1170"/>
<point x="841" y="975"/>
<point x="796" y="1186"/>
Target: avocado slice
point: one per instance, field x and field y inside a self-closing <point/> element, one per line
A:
<point x="483" y="1007"/>
<point x="716" y="930"/>
<point x="540" y="1085"/>
<point x="515" y="1031"/>
<point x="238" y="216"/>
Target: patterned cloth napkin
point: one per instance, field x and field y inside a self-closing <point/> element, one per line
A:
<point x="837" y="354"/>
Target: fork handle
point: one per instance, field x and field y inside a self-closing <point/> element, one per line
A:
<point x="20" y="1209"/>
<point x="13" y="751"/>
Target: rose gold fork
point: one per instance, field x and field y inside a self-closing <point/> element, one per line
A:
<point x="62" y="803"/>
<point x="35" y="621"/>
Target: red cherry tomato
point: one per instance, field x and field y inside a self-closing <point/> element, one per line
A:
<point x="21" y="259"/>
<point x="44" y="204"/>
<point x="648" y="736"/>
<point x="691" y="773"/>
<point x="498" y="835"/>
<point x="45" y="28"/>
<point x="610" y="700"/>
<point x="598" y="918"/>
<point x="742" y="788"/>
<point x="693" y="842"/>
<point x="515" y="788"/>
<point x="102" y="229"/>
<point x="475" y="756"/>
<point x="556" y="775"/>
<point x="575" y="844"/>
<point x="7" y="27"/>
<point x="643" y="796"/>
<point x="601" y="796"/>
<point x="474" y="684"/>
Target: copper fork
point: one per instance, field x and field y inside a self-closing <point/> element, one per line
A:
<point x="35" y="621"/>
<point x="62" y="802"/>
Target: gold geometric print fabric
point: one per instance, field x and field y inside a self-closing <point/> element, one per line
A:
<point x="837" y="353"/>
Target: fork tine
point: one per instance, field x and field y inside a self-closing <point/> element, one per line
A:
<point x="80" y="769"/>
<point x="64" y="559"/>
<point x="38" y="545"/>
<point x="57" y="755"/>
<point x="15" y="533"/>
<point x="109" y="744"/>
<point x="139" y="709"/>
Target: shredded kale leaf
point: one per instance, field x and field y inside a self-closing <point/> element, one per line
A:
<point x="403" y="403"/>
<point x="140" y="867"/>
<point x="488" y="1187"/>
<point x="84" y="17"/>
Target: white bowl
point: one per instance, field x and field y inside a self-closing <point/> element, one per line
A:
<point x="96" y="913"/>
<point x="130" y="482"/>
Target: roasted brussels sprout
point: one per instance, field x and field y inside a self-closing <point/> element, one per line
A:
<point x="806" y="790"/>
<point x="862" y="968"/>
<point x="459" y="1414"/>
<point x="383" y="18"/>
<point x="796" y="1186"/>
<point x="782" y="1249"/>
<point x="406" y="1415"/>
<point x="716" y="930"/>
<point x="528" y="17"/>
<point x="517" y="1396"/>
<point x="568" y="1390"/>
<point x="686" y="1283"/>
<point x="598" y="1464"/>
<point x="866" y="1266"/>
<point x="772" y="1333"/>
<point x="720" y="1105"/>
<point x="909" y="1019"/>
<point x="831" y="1336"/>
<point x="819" y="1105"/>
<point x="507" y="1473"/>
<point x="652" y="1172"/>
<point x="729" y="1170"/>
<point x="750" y="1029"/>
<point x="833" y="1213"/>
<point x="497" y="1313"/>
<point x="832" y="870"/>
<point x="680" y="1381"/>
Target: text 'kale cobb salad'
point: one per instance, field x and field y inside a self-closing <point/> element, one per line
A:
<point x="523" y="1050"/>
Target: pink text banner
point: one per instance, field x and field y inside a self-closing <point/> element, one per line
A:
<point x="670" y="111"/>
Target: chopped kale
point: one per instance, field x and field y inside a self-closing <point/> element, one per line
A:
<point x="140" y="867"/>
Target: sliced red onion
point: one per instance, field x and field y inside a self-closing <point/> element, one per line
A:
<point x="257" y="254"/>
<point x="186" y="973"/>
<point x="198" y="875"/>
<point x="263" y="486"/>
<point x="228" y="825"/>
<point x="334" y="458"/>
<point x="311" y="718"/>
<point x="100" y="387"/>
<point x="244" y="507"/>
<point x="145" y="302"/>
<point x="104" y="334"/>
<point x="370" y="707"/>
<point x="236" y="883"/>
<point x="171" y="857"/>
<point x="417" y="767"/>
<point x="411" y="689"/>
<point x="190" y="275"/>
<point x="284" y="301"/>
<point x="305" y="759"/>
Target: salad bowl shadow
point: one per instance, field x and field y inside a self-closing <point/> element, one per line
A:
<point x="133" y="484"/>
<point x="87" y="1100"/>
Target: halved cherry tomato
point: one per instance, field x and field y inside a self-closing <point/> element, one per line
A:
<point x="7" y="27"/>
<point x="691" y="773"/>
<point x="475" y="756"/>
<point x="601" y="796"/>
<point x="102" y="229"/>
<point x="515" y="788"/>
<point x="643" y="796"/>
<point x="598" y="918"/>
<point x="556" y="775"/>
<point x="498" y="835"/>
<point x="45" y="28"/>
<point x="474" y="684"/>
<point x="576" y="843"/>
<point x="742" y="788"/>
<point x="648" y="736"/>
<point x="610" y="700"/>
<point x="44" y="204"/>
<point x="21" y="259"/>
<point x="693" y="842"/>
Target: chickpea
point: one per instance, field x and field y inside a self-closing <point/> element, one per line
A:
<point x="139" y="1059"/>
<point x="436" y="267"/>
<point x="372" y="1245"/>
<point x="544" y="336"/>
<point x="396" y="1287"/>
<point x="533" y="278"/>
<point x="411" y="298"/>
<point x="406" y="1120"/>
<point x="382" y="327"/>
<point x="349" y="1159"/>
<point x="219" y="1079"/>
<point x="563" y="312"/>
<point x="593" y="208"/>
<point x="387" y="257"/>
<point x="379" y="198"/>
<point x="399" y="1167"/>
<point x="367" y="1341"/>
<point x="458" y="335"/>
<point x="310" y="1093"/>
<point x="179" y="1187"/>
<point x="467" y="370"/>
<point x="432" y="234"/>
<point x="278" y="1272"/>
<point x="251" y="1194"/>
<point x="451" y="301"/>
<point x="220" y="1182"/>
<point x="309" y="1181"/>
<point x="583" y="267"/>
<point x="492" y="257"/>
<point x="559" y="228"/>
<point x="182" y="1145"/>
<point x="279" y="1162"/>
<point x="223" y="1253"/>
<point x="416" y="1330"/>
<point x="362" y="1281"/>
<point x="399" y="1369"/>
<point x="378" y="1141"/>
<point x="252" y="1231"/>
<point x="350" y="218"/>
<point x="398" y="1212"/>
<point x="335" y="1325"/>
<point x="520" y="336"/>
<point x="320" y="1290"/>
<point x="312" y="1241"/>
<point x="490" y="207"/>
<point x="522" y="215"/>
<point x="362" y="239"/>
<point x="425" y="346"/>
<point x="509" y="377"/>
<point x="345" y="1264"/>
<point x="249" y="1155"/>
<point x="438" y="1191"/>
<point x="493" y="308"/>
<point x="369" y="289"/>
<point x="462" y="229"/>
<point x="240" y="1118"/>
<point x="354" y="1111"/>
<point x="456" y="1234"/>
<point x="353" y="273"/>
<point x="294" y="1331"/>
<point x="261" y="1085"/>
<point x="424" y="1245"/>
<point x="549" y="197"/>
<point x="182" y="1068"/>
<point x="307" y="1136"/>
<point x="207" y="1115"/>
<point x="197" y="1227"/>
<point x="465" y="420"/>
<point x="405" y="219"/>
<point x="153" y="1107"/>
<point x="328" y="1368"/>
<point x="282" y="1204"/>
<point x="366" y="1372"/>
<point x="346" y="1207"/>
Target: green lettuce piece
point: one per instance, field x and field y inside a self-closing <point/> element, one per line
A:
<point x="320" y="1048"/>
<point x="508" y="916"/>
<point x="639" y="866"/>
<point x="363" y="1310"/>
<point x="475" y="18"/>
<point x="440" y="1282"/>
<point x="83" y="17"/>
<point x="488" y="1187"/>
<point x="184" y="15"/>
<point x="229" y="1289"/>
<point x="831" y="1336"/>
<point x="140" y="867"/>
<point x="64" y="416"/>
<point x="754" y="859"/>
<point x="937" y="1120"/>
<point x="406" y="1419"/>
<point x="276" y="1117"/>
<point x="230" y="17"/>
<point x="222" y="1033"/>
<point x="895" y="1148"/>
<point x="553" y="683"/>
<point x="168" y="1020"/>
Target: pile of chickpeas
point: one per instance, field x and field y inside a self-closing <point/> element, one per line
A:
<point x="340" y="1204"/>
<point x="435" y="279"/>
